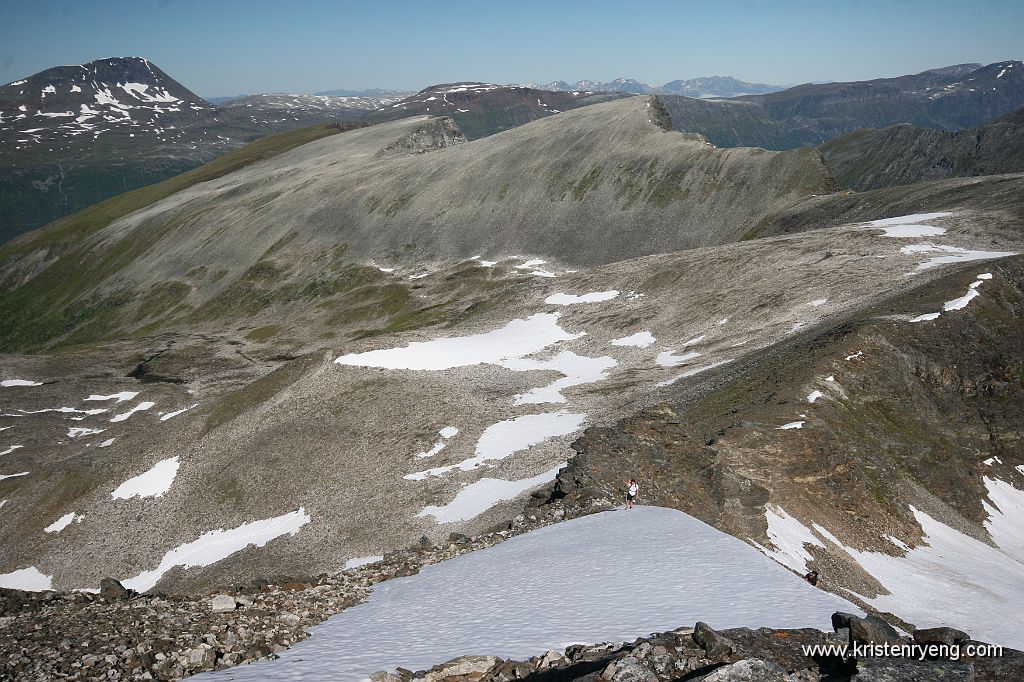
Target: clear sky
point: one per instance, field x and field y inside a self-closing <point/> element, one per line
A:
<point x="228" y="47"/>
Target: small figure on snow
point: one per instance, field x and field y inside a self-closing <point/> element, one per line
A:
<point x="632" y="488"/>
<point x="812" y="577"/>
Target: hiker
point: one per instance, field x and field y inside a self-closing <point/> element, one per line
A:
<point x="632" y="488"/>
<point x="812" y="577"/>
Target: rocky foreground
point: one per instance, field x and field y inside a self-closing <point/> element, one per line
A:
<point x="739" y="655"/>
<point x="119" y="634"/>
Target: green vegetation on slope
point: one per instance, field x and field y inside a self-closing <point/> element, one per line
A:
<point x="41" y="311"/>
<point x="96" y="217"/>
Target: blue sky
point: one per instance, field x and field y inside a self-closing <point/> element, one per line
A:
<point x="227" y="47"/>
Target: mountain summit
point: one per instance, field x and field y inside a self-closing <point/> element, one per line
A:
<point x="120" y="92"/>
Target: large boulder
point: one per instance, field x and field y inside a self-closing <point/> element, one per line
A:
<point x="628" y="669"/>
<point x="869" y="630"/>
<point x="714" y="645"/>
<point x="112" y="589"/>
<point x="947" y="636"/>
<point x="466" y="668"/>
<point x="747" y="670"/>
<point x="222" y="603"/>
<point x="904" y="670"/>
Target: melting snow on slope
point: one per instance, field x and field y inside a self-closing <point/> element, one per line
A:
<point x="516" y="339"/>
<point x="905" y="231"/>
<point x="220" y="544"/>
<point x="358" y="561"/>
<point x="79" y="431"/>
<point x="141" y="407"/>
<point x="169" y="415"/>
<point x="446" y="433"/>
<point x="152" y="483"/>
<point x="638" y="340"/>
<point x="577" y="370"/>
<point x="508" y="437"/>
<point x="10" y="383"/>
<point x="572" y="299"/>
<point x="11" y="449"/>
<point x="1005" y="521"/>
<point x="911" y="219"/>
<point x="63" y="522"/>
<point x="949" y="579"/>
<point x="669" y="359"/>
<point x="814" y="395"/>
<point x="4" y="476"/>
<point x="957" y="303"/>
<point x="31" y="579"/>
<point x="119" y="397"/>
<point x="791" y="425"/>
<point x="954" y="254"/>
<point x="788" y="536"/>
<point x="478" y="497"/>
<point x="692" y="371"/>
<point x="679" y="570"/>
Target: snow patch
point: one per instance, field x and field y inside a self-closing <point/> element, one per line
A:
<point x="814" y="395"/>
<point x="670" y="359"/>
<point x="954" y="254"/>
<point x="11" y="449"/>
<point x="220" y="544"/>
<point x="63" y="522"/>
<point x="119" y="397"/>
<point x="791" y="425"/>
<point x="448" y="609"/>
<point x="169" y="415"/>
<point x="638" y="340"/>
<point x="5" y="476"/>
<point x="153" y="483"/>
<point x="516" y="339"/>
<point x="577" y="370"/>
<point x="505" y="438"/>
<point x="445" y="433"/>
<point x="911" y="219"/>
<point x="358" y="561"/>
<point x="570" y="299"/>
<point x="141" y="407"/>
<point x="692" y="371"/>
<point x="30" y="579"/>
<point x="478" y="497"/>
<point x="10" y="383"/>
<point x="80" y="431"/>
<point x="789" y="537"/>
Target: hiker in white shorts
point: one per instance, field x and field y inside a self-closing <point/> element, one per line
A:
<point x="632" y="488"/>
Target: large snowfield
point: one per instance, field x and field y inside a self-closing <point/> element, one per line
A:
<point x="611" y="576"/>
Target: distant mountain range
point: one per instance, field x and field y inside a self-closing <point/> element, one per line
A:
<point x="950" y="98"/>
<point x="75" y="135"/>
<point x="371" y="92"/>
<point x="708" y="86"/>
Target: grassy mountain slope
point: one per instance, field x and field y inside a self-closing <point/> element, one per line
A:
<point x="583" y="187"/>
<point x="901" y="155"/>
